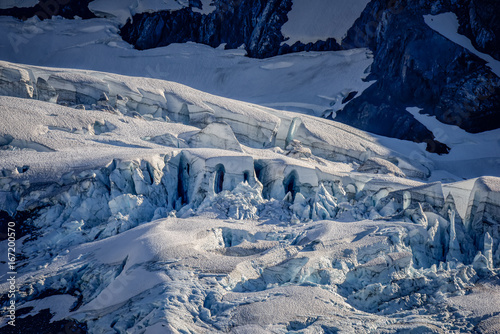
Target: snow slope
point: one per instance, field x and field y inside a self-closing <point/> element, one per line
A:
<point x="471" y="154"/>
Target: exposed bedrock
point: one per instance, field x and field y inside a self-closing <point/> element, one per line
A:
<point x="254" y="24"/>
<point x="46" y="9"/>
<point x="416" y="66"/>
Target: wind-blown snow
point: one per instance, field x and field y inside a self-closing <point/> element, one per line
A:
<point x="313" y="20"/>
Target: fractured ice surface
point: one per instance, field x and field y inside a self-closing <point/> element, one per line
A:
<point x="431" y="193"/>
<point x="216" y="135"/>
<point x="152" y="207"/>
<point x="380" y="166"/>
<point x="482" y="214"/>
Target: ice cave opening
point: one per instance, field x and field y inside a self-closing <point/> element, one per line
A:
<point x="219" y="178"/>
<point x="290" y="183"/>
<point x="246" y="176"/>
<point x="183" y="180"/>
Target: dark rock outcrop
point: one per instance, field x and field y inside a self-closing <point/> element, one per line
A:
<point x="253" y="23"/>
<point x="45" y="9"/>
<point x="480" y="22"/>
<point x="416" y="66"/>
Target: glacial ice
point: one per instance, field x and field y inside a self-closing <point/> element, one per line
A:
<point x="216" y="135"/>
<point x="156" y="207"/>
<point x="483" y="209"/>
<point x="380" y="166"/>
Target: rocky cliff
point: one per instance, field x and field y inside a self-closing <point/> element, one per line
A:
<point x="45" y="9"/>
<point x="256" y="24"/>
<point x="414" y="65"/>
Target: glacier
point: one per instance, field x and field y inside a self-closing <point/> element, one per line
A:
<point x="149" y="207"/>
<point x="184" y="166"/>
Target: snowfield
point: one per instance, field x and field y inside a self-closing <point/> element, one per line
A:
<point x="187" y="189"/>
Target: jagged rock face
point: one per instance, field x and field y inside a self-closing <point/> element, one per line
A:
<point x="415" y="65"/>
<point x="480" y="21"/>
<point x="255" y="24"/>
